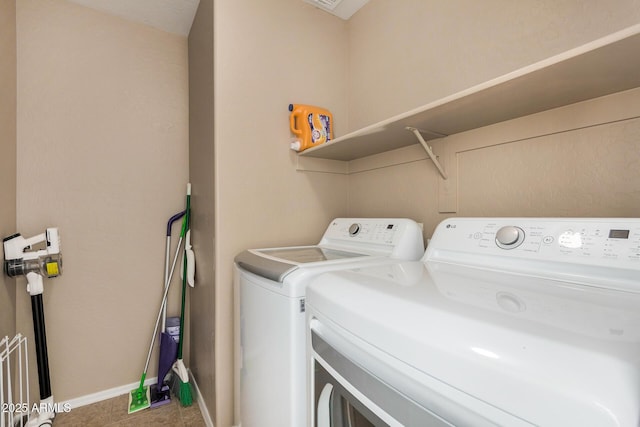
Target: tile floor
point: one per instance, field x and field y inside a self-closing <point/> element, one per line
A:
<point x="113" y="413"/>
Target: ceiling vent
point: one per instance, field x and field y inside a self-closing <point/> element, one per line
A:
<point x="341" y="8"/>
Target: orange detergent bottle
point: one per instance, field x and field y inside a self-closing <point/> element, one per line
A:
<point x="311" y="125"/>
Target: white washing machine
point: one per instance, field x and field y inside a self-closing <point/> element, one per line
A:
<point x="271" y="285"/>
<point x="508" y="321"/>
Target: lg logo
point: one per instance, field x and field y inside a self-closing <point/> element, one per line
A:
<point x="451" y="226"/>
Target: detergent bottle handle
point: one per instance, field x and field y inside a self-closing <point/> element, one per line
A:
<point x="295" y="114"/>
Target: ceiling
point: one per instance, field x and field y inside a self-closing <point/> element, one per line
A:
<point x="174" y="16"/>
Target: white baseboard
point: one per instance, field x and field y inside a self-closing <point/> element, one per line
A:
<point x="106" y="394"/>
<point x="203" y="408"/>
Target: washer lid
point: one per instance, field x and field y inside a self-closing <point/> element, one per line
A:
<point x="307" y="254"/>
<point x="277" y="263"/>
<point x="548" y="352"/>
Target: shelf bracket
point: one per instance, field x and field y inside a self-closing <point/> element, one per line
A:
<point x="428" y="149"/>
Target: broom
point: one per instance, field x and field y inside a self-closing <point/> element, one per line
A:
<point x="180" y="384"/>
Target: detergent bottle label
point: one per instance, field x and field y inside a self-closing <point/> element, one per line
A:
<point x="320" y="125"/>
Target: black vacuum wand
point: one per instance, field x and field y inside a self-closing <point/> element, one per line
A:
<point x="22" y="258"/>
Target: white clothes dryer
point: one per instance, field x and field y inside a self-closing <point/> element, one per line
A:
<point x="271" y="284"/>
<point x="506" y="321"/>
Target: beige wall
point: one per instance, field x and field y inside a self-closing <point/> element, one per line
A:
<point x="7" y="154"/>
<point x="421" y="51"/>
<point x="103" y="155"/>
<point x="404" y="54"/>
<point x="267" y="55"/>
<point x="590" y="170"/>
<point x="202" y="172"/>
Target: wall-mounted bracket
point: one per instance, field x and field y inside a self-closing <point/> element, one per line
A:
<point x="428" y="149"/>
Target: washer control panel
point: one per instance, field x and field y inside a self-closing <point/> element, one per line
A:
<point x="396" y="237"/>
<point x="380" y="231"/>
<point x="582" y="240"/>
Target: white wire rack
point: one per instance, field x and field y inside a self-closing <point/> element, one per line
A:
<point x="14" y="381"/>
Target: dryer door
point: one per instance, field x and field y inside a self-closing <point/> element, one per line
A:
<point x="347" y="395"/>
<point x="336" y="407"/>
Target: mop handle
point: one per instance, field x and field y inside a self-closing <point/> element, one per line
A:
<point x="172" y="220"/>
<point x="164" y="300"/>
<point x="166" y="263"/>
<point x="168" y="283"/>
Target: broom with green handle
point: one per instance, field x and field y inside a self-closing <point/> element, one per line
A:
<point x="181" y="387"/>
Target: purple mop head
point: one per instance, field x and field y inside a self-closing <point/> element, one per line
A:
<point x="160" y="394"/>
<point x="159" y="397"/>
<point x="168" y="355"/>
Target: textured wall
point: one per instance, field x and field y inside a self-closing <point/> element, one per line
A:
<point x="103" y="155"/>
<point x="7" y="154"/>
<point x="585" y="172"/>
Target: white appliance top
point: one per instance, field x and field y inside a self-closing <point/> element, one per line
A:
<point x="346" y="240"/>
<point x="538" y="325"/>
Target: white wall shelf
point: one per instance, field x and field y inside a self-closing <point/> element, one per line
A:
<point x="602" y="67"/>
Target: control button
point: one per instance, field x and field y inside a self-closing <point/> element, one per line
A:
<point x="477" y="235"/>
<point x="354" y="229"/>
<point x="547" y="240"/>
<point x="509" y="237"/>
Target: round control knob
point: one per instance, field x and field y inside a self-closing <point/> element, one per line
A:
<point x="509" y="237"/>
<point x="354" y="229"/>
